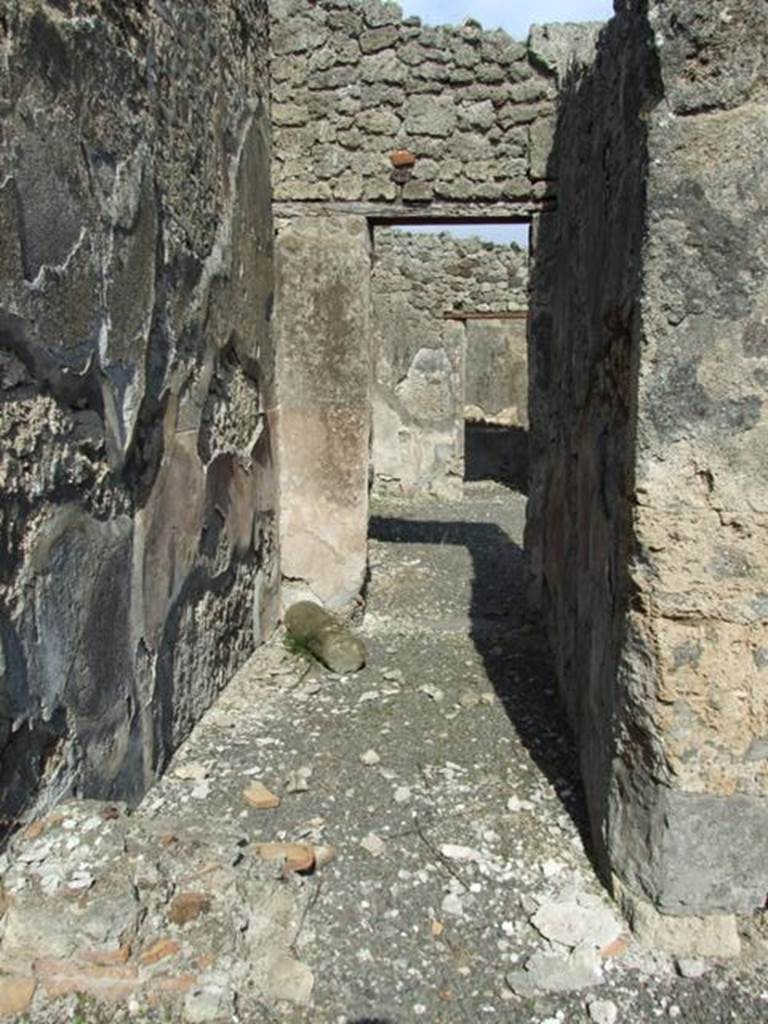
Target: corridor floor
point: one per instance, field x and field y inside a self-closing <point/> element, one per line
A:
<point x="444" y="779"/>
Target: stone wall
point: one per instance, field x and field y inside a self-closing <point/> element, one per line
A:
<point x="430" y="372"/>
<point x="649" y="507"/>
<point x="354" y="85"/>
<point x="136" y="510"/>
<point x="323" y="415"/>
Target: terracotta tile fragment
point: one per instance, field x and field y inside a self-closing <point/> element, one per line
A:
<point x="106" y="957"/>
<point x="15" y="994"/>
<point x="259" y="797"/>
<point x="402" y="158"/>
<point x="159" y="950"/>
<point x="297" y="856"/>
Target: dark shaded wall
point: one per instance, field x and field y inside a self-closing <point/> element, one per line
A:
<point x="137" y="554"/>
<point x="647" y="519"/>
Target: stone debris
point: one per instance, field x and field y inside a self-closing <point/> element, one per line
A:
<point x="297" y="781"/>
<point x="434" y="692"/>
<point x="602" y="1011"/>
<point x="516" y="805"/>
<point x="190" y="771"/>
<point x="211" y="911"/>
<point x="690" y="967"/>
<point x="460" y="853"/>
<point x="547" y="971"/>
<point x="373" y="844"/>
<point x="584" y="920"/>
<point x="257" y="795"/>
<point x="452" y="905"/>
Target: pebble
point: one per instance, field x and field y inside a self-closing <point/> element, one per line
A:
<point x="688" y="967"/>
<point x="190" y="771"/>
<point x="402" y="795"/>
<point x="432" y="691"/>
<point x="603" y="1011"/>
<point x="452" y="905"/>
<point x="297" y="781"/>
<point x="373" y="844"/>
<point x="515" y="805"/>
<point x="370" y="758"/>
<point x="460" y="853"/>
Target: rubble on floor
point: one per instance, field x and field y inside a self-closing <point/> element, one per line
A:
<point x="333" y="849"/>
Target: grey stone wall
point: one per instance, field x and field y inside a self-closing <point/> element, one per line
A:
<point x="137" y="551"/>
<point x="648" y="512"/>
<point x="431" y="373"/>
<point x="461" y="111"/>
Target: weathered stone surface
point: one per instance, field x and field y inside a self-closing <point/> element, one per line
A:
<point x="322" y="325"/>
<point x="648" y="513"/>
<point x="133" y="325"/>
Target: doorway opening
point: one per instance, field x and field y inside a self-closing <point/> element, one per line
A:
<point x="449" y="357"/>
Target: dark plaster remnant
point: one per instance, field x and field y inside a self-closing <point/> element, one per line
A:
<point x="135" y="466"/>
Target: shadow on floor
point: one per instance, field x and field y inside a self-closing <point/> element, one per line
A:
<point x="496" y="453"/>
<point x="514" y="652"/>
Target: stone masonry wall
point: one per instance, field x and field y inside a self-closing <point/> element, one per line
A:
<point x="137" y="556"/>
<point x="353" y="82"/>
<point x="649" y="504"/>
<point x="432" y="373"/>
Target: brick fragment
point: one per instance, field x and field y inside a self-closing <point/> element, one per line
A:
<point x="296" y="856"/>
<point x="16" y="994"/>
<point x="159" y="950"/>
<point x="259" y="797"/>
<point x="402" y="158"/>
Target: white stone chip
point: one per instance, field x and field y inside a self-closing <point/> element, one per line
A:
<point x="603" y="1011"/>
<point x="461" y="853"/>
<point x="373" y="844"/>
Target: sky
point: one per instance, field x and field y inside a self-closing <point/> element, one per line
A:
<point x="516" y="16"/>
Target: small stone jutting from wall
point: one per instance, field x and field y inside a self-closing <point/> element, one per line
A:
<point x="449" y="345"/>
<point x="648" y="519"/>
<point x="137" y="540"/>
<point x="378" y="118"/>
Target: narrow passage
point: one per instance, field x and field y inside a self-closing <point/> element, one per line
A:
<point x="437" y="791"/>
